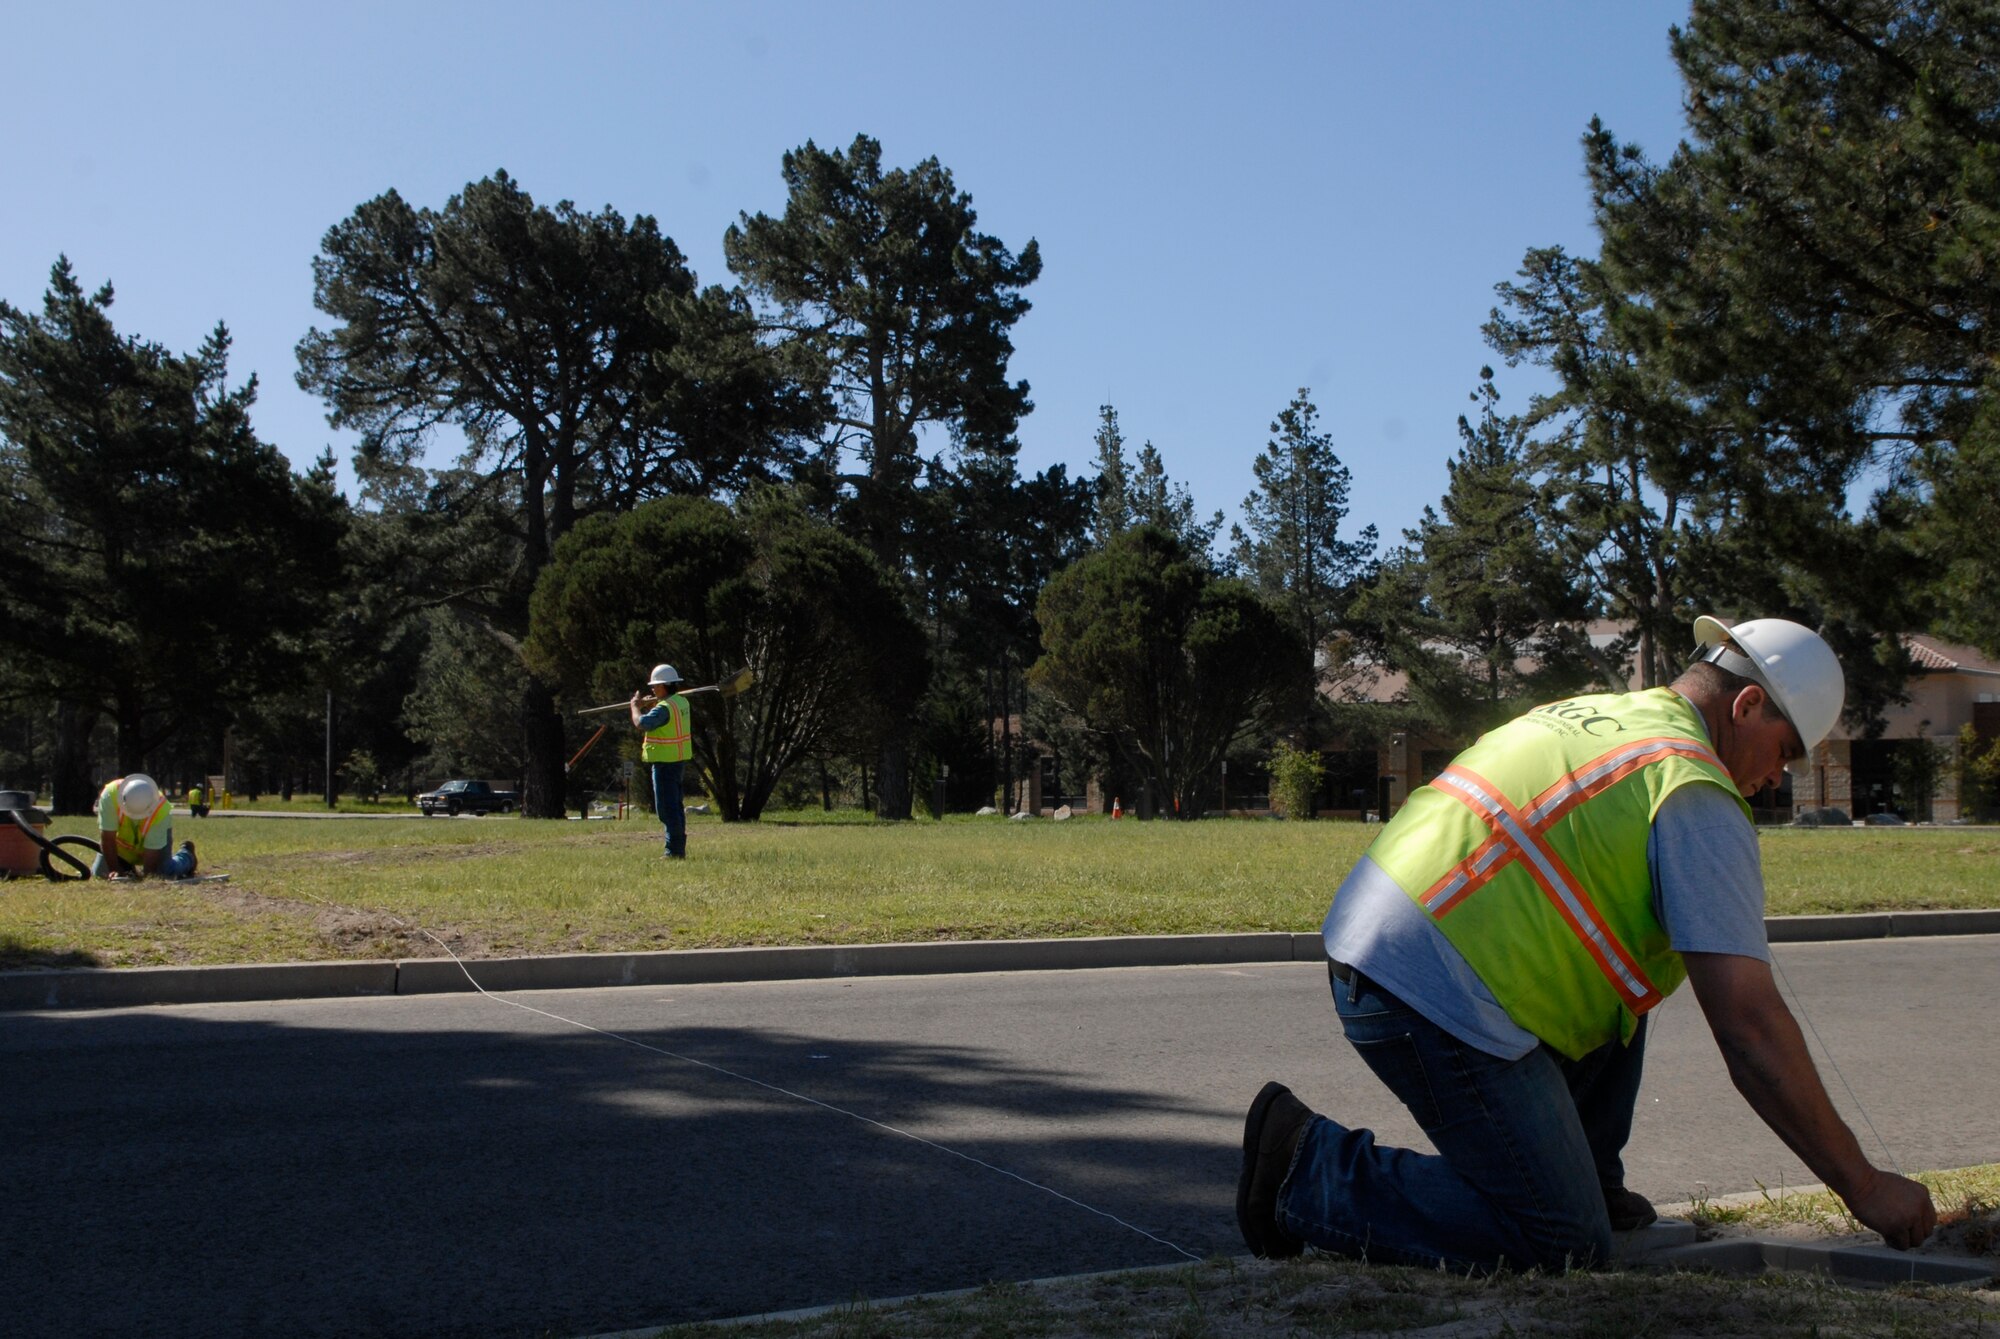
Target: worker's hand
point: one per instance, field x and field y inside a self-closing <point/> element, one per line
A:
<point x="638" y="696"/>
<point x="1897" y="1207"/>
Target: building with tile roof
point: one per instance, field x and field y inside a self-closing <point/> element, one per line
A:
<point x="1953" y="686"/>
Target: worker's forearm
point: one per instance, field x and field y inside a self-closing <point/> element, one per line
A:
<point x="107" y="842"/>
<point x="1771" y="1067"/>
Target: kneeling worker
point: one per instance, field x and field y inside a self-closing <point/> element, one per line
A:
<point x="668" y="744"/>
<point x="1495" y="954"/>
<point x="135" y="829"/>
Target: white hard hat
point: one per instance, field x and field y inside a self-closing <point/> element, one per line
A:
<point x="138" y="795"/>
<point x="664" y="674"/>
<point x="1793" y="663"/>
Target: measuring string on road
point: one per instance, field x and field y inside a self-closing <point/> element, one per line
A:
<point x="1798" y="1002"/>
<point x="785" y="1092"/>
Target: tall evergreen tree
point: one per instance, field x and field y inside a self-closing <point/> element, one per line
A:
<point x="1482" y="608"/>
<point x="164" y="565"/>
<point x="1638" y="475"/>
<point x="1293" y="551"/>
<point x="1132" y="493"/>
<point x="989" y="544"/>
<point x="1157" y="500"/>
<point x="575" y="354"/>
<point x="1815" y="260"/>
<point x="1113" y="487"/>
<point x="1146" y="644"/>
<point x="883" y="279"/>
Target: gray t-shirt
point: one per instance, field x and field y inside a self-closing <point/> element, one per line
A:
<point x="1708" y="891"/>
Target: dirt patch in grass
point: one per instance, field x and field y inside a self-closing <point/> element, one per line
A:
<point x="354" y="931"/>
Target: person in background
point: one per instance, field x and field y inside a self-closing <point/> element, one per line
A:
<point x="668" y="744"/>
<point x="135" y="823"/>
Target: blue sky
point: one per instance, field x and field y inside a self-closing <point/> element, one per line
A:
<point x="1232" y="202"/>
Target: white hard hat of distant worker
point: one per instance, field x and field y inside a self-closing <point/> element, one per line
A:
<point x="666" y="674"/>
<point x="138" y="795"/>
<point x="1795" y="666"/>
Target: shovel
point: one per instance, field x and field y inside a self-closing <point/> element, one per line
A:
<point x="729" y="687"/>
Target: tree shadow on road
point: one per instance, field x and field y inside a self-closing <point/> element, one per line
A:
<point x="196" y="1173"/>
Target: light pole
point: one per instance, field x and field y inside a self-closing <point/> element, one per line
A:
<point x="329" y="748"/>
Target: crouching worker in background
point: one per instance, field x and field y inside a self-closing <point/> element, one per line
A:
<point x="135" y="823"/>
<point x="1496" y="953"/>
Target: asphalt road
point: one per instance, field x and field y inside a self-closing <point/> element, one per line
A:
<point x="450" y="1165"/>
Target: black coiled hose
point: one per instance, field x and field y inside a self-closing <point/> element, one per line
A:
<point x="56" y="862"/>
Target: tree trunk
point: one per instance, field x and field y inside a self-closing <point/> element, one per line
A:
<point x="131" y="744"/>
<point x="542" y="731"/>
<point x="892" y="780"/>
<point x="1006" y="742"/>
<point x="70" y="780"/>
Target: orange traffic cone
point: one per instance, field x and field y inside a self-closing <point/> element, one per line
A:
<point x="1117" y="810"/>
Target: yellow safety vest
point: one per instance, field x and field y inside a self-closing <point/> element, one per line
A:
<point x="131" y="832"/>
<point x="670" y="740"/>
<point x="1529" y="853"/>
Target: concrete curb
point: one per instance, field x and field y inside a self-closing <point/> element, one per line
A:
<point x="1881" y="925"/>
<point x="100" y="988"/>
<point x="112" y="988"/>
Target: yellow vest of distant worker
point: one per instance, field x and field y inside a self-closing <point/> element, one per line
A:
<point x="131" y="838"/>
<point x="669" y="741"/>
<point x="1529" y="853"/>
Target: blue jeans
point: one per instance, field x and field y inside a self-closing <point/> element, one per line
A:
<point x="667" y="804"/>
<point x="1526" y="1150"/>
<point x="173" y="864"/>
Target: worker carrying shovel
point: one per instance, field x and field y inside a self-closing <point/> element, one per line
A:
<point x="668" y="744"/>
<point x="135" y="823"/>
<point x="1495" y="954"/>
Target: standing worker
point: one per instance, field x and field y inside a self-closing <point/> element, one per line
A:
<point x="1494" y="954"/>
<point x="135" y="828"/>
<point x="667" y="746"/>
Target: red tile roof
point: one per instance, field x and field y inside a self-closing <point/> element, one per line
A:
<point x="1928" y="653"/>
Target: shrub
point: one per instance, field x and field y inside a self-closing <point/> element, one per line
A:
<point x="1295" y="778"/>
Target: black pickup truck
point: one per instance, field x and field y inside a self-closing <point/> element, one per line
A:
<point x="467" y="797"/>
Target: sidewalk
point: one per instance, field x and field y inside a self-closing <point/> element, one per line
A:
<point x="96" y="987"/>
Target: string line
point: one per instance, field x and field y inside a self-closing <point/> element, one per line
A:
<point x="785" y="1092"/>
<point x="1798" y="1002"/>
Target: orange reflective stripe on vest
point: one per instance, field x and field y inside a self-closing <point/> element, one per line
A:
<point x="672" y="740"/>
<point x="1517" y="834"/>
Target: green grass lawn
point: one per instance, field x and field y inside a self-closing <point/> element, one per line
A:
<point x="312" y="889"/>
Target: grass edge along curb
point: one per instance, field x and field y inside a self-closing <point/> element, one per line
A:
<point x="100" y="987"/>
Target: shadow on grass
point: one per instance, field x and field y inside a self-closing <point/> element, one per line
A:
<point x="16" y="954"/>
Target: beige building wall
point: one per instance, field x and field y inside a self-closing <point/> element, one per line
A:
<point x="1946" y="695"/>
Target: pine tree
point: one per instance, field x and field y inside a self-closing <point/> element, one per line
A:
<point x="881" y="280"/>
<point x="1112" y="514"/>
<point x="1293" y="551"/>
<point x="164" y="565"/>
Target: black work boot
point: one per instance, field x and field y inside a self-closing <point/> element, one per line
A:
<point x="1628" y="1209"/>
<point x="1271" y="1133"/>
